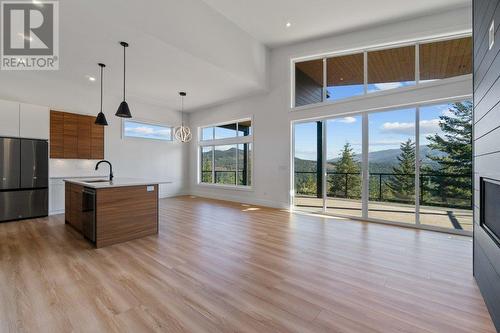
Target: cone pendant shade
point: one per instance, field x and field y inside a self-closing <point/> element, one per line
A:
<point x="101" y="118"/>
<point x="123" y="110"/>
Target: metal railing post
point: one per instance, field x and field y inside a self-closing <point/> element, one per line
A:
<point x="380" y="187"/>
<point x="346" y="184"/>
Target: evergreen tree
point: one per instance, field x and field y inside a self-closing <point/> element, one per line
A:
<point x="346" y="167"/>
<point x="456" y="143"/>
<point x="402" y="183"/>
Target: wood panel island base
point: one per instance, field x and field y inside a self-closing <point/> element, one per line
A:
<point x="107" y="213"/>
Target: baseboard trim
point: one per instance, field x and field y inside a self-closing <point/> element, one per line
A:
<point x="238" y="199"/>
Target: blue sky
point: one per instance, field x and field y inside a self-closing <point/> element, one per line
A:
<point x="386" y="131"/>
<point x="140" y="130"/>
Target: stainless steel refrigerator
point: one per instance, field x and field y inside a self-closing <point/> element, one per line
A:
<point x="24" y="173"/>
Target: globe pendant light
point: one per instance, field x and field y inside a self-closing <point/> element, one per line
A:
<point x="182" y="133"/>
<point x="101" y="118"/>
<point x="123" y="110"/>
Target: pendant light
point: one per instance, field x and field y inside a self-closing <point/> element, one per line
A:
<point x="123" y="110"/>
<point x="182" y="133"/>
<point x="101" y="118"/>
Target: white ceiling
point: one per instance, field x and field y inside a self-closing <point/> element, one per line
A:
<point x="213" y="49"/>
<point x="174" y="45"/>
<point x="266" y="19"/>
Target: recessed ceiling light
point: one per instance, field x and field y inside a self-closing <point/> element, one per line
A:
<point x="288" y="24"/>
<point x="90" y="78"/>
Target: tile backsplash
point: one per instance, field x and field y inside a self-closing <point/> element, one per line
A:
<point x="75" y="168"/>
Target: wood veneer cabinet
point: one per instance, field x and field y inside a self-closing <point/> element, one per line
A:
<point x="125" y="213"/>
<point x="73" y="205"/>
<point x="56" y="134"/>
<point x="75" y="136"/>
<point x="96" y="141"/>
<point x="84" y="137"/>
<point x="122" y="213"/>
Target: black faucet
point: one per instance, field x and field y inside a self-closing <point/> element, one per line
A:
<point x="110" y="168"/>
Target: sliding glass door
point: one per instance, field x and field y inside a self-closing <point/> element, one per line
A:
<point x="343" y="166"/>
<point x="308" y="166"/>
<point x="411" y="166"/>
<point x="391" y="165"/>
<point x="446" y="165"/>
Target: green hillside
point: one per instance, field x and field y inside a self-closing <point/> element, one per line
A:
<point x="380" y="161"/>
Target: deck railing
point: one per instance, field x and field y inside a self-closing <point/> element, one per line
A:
<point x="223" y="177"/>
<point x="381" y="187"/>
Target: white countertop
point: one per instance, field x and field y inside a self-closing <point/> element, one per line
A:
<point x="117" y="182"/>
<point x="78" y="177"/>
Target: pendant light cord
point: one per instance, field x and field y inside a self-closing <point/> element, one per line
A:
<point x="124" y="72"/>
<point x="101" y="86"/>
<point x="182" y="110"/>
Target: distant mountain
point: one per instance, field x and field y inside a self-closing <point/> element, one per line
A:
<point x="380" y="161"/>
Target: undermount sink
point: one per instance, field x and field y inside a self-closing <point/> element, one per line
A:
<point x="96" y="181"/>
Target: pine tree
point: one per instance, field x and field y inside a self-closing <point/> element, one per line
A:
<point x="346" y="167"/>
<point x="456" y="144"/>
<point x="402" y="183"/>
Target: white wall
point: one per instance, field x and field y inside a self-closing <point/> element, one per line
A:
<point x="135" y="158"/>
<point x="272" y="114"/>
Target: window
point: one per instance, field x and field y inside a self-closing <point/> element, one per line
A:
<point x="307" y="165"/>
<point x="225" y="164"/>
<point x="135" y="129"/>
<point x="345" y="77"/>
<point x="226" y="154"/>
<point x="244" y="164"/>
<point x="391" y="68"/>
<point x="440" y="60"/>
<point x="206" y="164"/>
<point x="411" y="166"/>
<point x="207" y="133"/>
<point x="309" y="82"/>
<point x="371" y="71"/>
<point x="391" y="165"/>
<point x="225" y="131"/>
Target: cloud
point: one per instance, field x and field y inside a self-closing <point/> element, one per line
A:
<point x="348" y="120"/>
<point x="398" y="128"/>
<point x="141" y="130"/>
<point x="426" y="127"/>
<point x="306" y="154"/>
<point x="345" y="120"/>
<point x="385" y="143"/>
<point x="430" y="126"/>
<point x="147" y="131"/>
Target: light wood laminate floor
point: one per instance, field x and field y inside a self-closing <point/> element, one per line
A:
<point x="223" y="267"/>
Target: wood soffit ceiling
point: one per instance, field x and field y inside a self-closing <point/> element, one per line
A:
<point x="438" y="60"/>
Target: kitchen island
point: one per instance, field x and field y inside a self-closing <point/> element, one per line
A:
<point x="109" y="212"/>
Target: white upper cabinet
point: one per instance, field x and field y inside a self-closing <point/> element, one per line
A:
<point x="24" y="120"/>
<point x="34" y="121"/>
<point x="9" y="118"/>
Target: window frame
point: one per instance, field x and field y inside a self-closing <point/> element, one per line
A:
<point x="146" y="122"/>
<point x="237" y="140"/>
<point x="365" y="51"/>
<point x="365" y="163"/>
